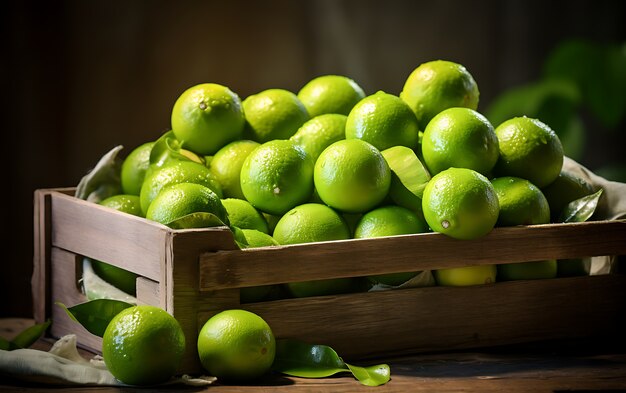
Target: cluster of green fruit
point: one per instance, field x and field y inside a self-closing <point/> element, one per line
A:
<point x="331" y="163"/>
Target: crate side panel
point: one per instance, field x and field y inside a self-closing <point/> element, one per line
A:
<point x="440" y="318"/>
<point x="303" y="262"/>
<point x="40" y="280"/>
<point x="129" y="242"/>
<point x="65" y="290"/>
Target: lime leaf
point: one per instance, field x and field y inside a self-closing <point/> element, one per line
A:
<point x="582" y="209"/>
<point x="372" y="375"/>
<point x="7" y="345"/>
<point x="408" y="177"/>
<point x="95" y="315"/>
<point x="240" y="238"/>
<point x="31" y="334"/>
<point x="299" y="359"/>
<point x="196" y="220"/>
<point x="167" y="148"/>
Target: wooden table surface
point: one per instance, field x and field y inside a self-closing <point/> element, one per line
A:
<point x="542" y="367"/>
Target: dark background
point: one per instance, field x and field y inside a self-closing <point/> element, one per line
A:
<point x="80" y="77"/>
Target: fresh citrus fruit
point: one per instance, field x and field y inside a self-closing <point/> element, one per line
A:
<point x="277" y="176"/>
<point x="461" y="138"/>
<point x="390" y="221"/>
<point x="383" y="120"/>
<point x="143" y="345"/>
<point x="125" y="203"/>
<point x="313" y="222"/>
<point x="244" y="216"/>
<point x="437" y="85"/>
<point x="134" y="168"/>
<point x="206" y="117"/>
<point x="466" y="276"/>
<point x="236" y="345"/>
<point x="273" y="114"/>
<point x="352" y="176"/>
<point x="255" y="238"/>
<point x="188" y="205"/>
<point x="173" y="172"/>
<point x="272" y="220"/>
<point x="320" y="132"/>
<point x="460" y="203"/>
<point x="529" y="149"/>
<point x="330" y="94"/>
<point x="226" y="166"/>
<point x="566" y="188"/>
<point x="535" y="270"/>
<point x="521" y="202"/>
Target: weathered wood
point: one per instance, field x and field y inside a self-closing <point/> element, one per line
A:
<point x="148" y="292"/>
<point x="40" y="280"/>
<point x="359" y="257"/>
<point x="64" y="268"/>
<point x="444" y="318"/>
<point x="102" y="233"/>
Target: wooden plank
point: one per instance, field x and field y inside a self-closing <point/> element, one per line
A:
<point x="359" y="257"/>
<point x="64" y="268"/>
<point x="148" y="292"/>
<point x="183" y="298"/>
<point x="130" y="242"/>
<point x="40" y="279"/>
<point x="443" y="318"/>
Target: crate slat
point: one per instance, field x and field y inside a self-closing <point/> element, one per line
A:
<point x="302" y="262"/>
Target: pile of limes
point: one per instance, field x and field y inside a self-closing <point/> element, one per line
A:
<point x="332" y="163"/>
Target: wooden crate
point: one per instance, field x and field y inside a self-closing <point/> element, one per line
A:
<point x="195" y="273"/>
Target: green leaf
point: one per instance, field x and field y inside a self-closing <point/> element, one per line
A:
<point x="196" y="220"/>
<point x="371" y="376"/>
<point x="31" y="334"/>
<point x="6" y="345"/>
<point x="168" y="148"/>
<point x="582" y="209"/>
<point x="95" y="315"/>
<point x="300" y="359"/>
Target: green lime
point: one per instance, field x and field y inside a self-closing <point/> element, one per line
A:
<point x="390" y="221"/>
<point x="320" y="132"/>
<point x="277" y="176"/>
<point x="383" y="120"/>
<point x="125" y="203"/>
<point x="236" y="345"/>
<point x="461" y="138"/>
<point x="438" y="85"/>
<point x="466" y="276"/>
<point x="188" y="205"/>
<point x="529" y="149"/>
<point x="143" y="345"/>
<point x="330" y="94"/>
<point x="566" y="188"/>
<point x="244" y="216"/>
<point x="226" y="166"/>
<point x="352" y="176"/>
<point x="206" y="117"/>
<point x="460" y="203"/>
<point x="521" y="202"/>
<point x="535" y="270"/>
<point x="134" y="168"/>
<point x="273" y="114"/>
<point x="173" y="172"/>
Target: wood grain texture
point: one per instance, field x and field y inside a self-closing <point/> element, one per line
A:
<point x="359" y="257"/>
<point x="443" y="318"/>
<point x="98" y="232"/>
<point x="64" y="269"/>
<point x="40" y="279"/>
<point x="148" y="292"/>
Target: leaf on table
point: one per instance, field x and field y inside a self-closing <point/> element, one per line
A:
<point x="582" y="209"/>
<point x="300" y="359"/>
<point x="26" y="338"/>
<point x="95" y="315"/>
<point x="371" y="376"/>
